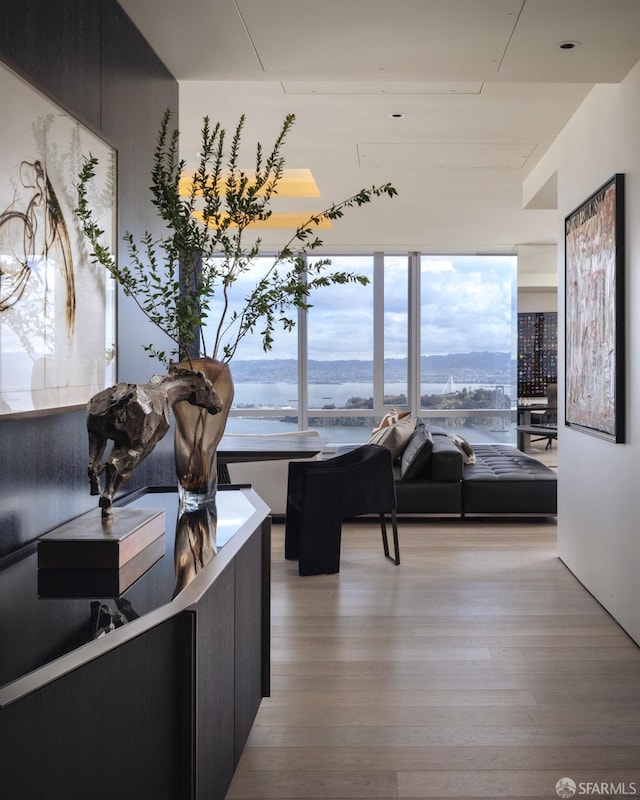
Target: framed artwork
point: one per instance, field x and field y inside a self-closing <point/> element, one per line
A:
<point x="57" y="310"/>
<point x="594" y="309"/>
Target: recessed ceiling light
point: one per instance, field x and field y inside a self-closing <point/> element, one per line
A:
<point x="568" y="45"/>
<point x="396" y="116"/>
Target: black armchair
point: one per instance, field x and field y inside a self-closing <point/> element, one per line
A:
<point x="321" y="494"/>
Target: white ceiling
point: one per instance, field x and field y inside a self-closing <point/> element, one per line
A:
<point x="483" y="85"/>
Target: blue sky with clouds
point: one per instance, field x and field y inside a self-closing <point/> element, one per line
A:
<point x="468" y="303"/>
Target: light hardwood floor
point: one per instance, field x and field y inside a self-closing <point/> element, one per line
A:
<point x="478" y="668"/>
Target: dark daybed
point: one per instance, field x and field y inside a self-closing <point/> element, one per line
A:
<point x="436" y="473"/>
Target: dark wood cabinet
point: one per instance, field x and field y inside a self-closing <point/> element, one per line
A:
<point x="162" y="706"/>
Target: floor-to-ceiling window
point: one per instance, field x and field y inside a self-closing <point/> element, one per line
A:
<point x="395" y="330"/>
<point x="432" y="334"/>
<point x="340" y="353"/>
<point x="468" y="331"/>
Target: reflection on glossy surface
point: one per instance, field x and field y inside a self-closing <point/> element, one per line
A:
<point x="195" y="543"/>
<point x="58" y="625"/>
<point x="105" y="619"/>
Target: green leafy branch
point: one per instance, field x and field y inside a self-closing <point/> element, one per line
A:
<point x="174" y="278"/>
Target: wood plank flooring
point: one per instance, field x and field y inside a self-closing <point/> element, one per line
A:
<point x="478" y="668"/>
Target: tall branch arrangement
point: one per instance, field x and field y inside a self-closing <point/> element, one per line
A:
<point x="205" y="248"/>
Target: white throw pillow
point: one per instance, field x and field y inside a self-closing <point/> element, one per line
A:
<point x="394" y="437"/>
<point x="468" y="456"/>
<point x="390" y="419"/>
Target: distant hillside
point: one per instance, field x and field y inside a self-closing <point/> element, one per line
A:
<point x="477" y="367"/>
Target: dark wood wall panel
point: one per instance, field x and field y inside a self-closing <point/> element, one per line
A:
<point x="53" y="739"/>
<point x="136" y="92"/>
<point x="43" y="475"/>
<point x="248" y="629"/>
<point x="57" y="45"/>
<point x="89" y="57"/>
<point x="215" y="708"/>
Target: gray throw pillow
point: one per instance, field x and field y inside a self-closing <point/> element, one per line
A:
<point x="417" y="454"/>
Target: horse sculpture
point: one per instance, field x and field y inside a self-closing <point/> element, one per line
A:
<point x="135" y="416"/>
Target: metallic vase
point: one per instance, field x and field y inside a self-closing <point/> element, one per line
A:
<point x="197" y="435"/>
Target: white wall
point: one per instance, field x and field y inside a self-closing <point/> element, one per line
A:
<point x="537" y="277"/>
<point x="598" y="489"/>
<point x="533" y="302"/>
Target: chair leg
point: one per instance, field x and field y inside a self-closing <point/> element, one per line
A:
<point x="385" y="541"/>
<point x="320" y="546"/>
<point x="396" y="542"/>
<point x="223" y="473"/>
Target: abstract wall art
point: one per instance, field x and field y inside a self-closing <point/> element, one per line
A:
<point x="57" y="331"/>
<point x="594" y="309"/>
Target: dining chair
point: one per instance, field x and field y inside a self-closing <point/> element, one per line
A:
<point x="322" y="494"/>
<point x="549" y="417"/>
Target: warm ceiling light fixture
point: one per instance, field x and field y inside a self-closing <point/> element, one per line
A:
<point x="278" y="219"/>
<point x="294" y="183"/>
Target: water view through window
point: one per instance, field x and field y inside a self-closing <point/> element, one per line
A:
<point x="349" y="358"/>
<point x="468" y="344"/>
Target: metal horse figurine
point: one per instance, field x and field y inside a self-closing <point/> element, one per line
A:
<point x="135" y="416"/>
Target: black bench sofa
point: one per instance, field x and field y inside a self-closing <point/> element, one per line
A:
<point x="431" y="477"/>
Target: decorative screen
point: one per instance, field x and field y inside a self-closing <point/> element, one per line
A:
<point x="537" y="352"/>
